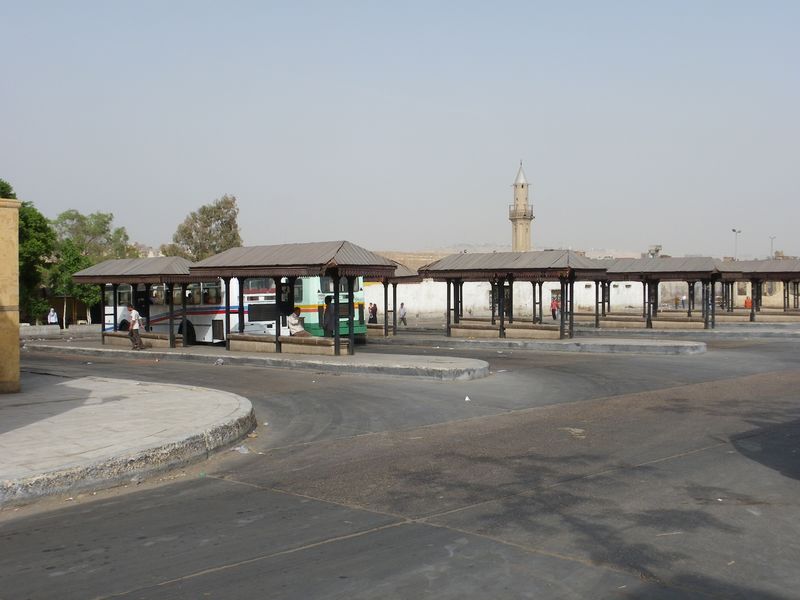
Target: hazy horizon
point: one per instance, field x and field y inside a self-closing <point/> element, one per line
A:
<point x="401" y="127"/>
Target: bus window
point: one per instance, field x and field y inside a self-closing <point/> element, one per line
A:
<point x="177" y="290"/>
<point x="124" y="296"/>
<point x="259" y="285"/>
<point x="325" y="285"/>
<point x="298" y="290"/>
<point x="109" y="296"/>
<point x="193" y="293"/>
<point x="158" y="294"/>
<point x="212" y="293"/>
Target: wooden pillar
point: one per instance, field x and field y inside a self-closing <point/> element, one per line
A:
<point x="571" y="288"/>
<point x="492" y="297"/>
<point x="752" y="300"/>
<point x="713" y="295"/>
<point x="501" y="306"/>
<point x="240" y="281"/>
<point x="510" y="299"/>
<point x="645" y="298"/>
<point x="603" y="297"/>
<point x="562" y="299"/>
<point x="385" y="308"/>
<point x="184" y="320"/>
<point x="114" y="289"/>
<point x="169" y="289"/>
<point x="533" y="291"/>
<point x="227" y="282"/>
<point x="456" y="301"/>
<point x="394" y="308"/>
<point x="649" y="308"/>
<point x="278" y="294"/>
<point x="597" y="304"/>
<point x="351" y="311"/>
<point x="337" y="342"/>
<point x="541" y="301"/>
<point x="102" y="287"/>
<point x="447" y="312"/>
<point x="460" y="299"/>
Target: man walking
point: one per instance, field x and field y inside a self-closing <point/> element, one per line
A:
<point x="402" y="314"/>
<point x="133" y="331"/>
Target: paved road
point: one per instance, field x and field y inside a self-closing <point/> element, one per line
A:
<point x="563" y="476"/>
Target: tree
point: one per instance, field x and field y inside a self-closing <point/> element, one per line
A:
<point x="94" y="236"/>
<point x="84" y="240"/>
<point x="208" y="231"/>
<point x="6" y="191"/>
<point x="36" y="243"/>
<point x="69" y="261"/>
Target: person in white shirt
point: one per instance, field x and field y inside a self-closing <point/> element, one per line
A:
<point x="133" y="331"/>
<point x="52" y="317"/>
<point x="402" y="314"/>
<point x="295" y="322"/>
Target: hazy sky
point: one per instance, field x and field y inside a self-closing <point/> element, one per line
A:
<point x="400" y="125"/>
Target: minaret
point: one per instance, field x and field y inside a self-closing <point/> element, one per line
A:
<point x="520" y="214"/>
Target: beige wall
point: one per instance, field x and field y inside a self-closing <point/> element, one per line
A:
<point x="9" y="295"/>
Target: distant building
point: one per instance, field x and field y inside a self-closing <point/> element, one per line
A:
<point x="520" y="214"/>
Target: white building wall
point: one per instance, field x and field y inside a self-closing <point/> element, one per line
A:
<point x="429" y="298"/>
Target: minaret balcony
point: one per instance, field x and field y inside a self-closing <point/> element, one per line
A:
<point x="520" y="211"/>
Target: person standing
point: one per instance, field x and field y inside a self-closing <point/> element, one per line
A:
<point x="554" y="307"/>
<point x="402" y="314"/>
<point x="52" y="317"/>
<point x="373" y="313"/>
<point x="133" y="331"/>
<point x="328" y="318"/>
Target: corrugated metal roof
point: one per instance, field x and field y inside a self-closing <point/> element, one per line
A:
<point x="762" y="267"/>
<point x="311" y="256"/>
<point x="311" y="253"/>
<point x="137" y="267"/>
<point x="513" y="261"/>
<point x="402" y="274"/>
<point x="696" y="265"/>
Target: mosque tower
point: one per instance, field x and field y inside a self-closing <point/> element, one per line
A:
<point x="520" y="214"/>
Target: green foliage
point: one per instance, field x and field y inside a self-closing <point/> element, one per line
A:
<point x="210" y="230"/>
<point x="6" y="191"/>
<point x="36" y="243"/>
<point x="94" y="236"/>
<point x="69" y="261"/>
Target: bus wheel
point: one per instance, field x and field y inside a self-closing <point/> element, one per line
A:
<point x="190" y="336"/>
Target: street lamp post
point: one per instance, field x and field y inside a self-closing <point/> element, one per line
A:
<point x="771" y="252"/>
<point x="736" y="233"/>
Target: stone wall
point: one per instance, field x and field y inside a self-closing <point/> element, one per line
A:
<point x="9" y="295"/>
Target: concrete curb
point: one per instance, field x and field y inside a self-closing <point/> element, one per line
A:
<point x="606" y="346"/>
<point x="473" y="369"/>
<point x="719" y="333"/>
<point x="113" y="471"/>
